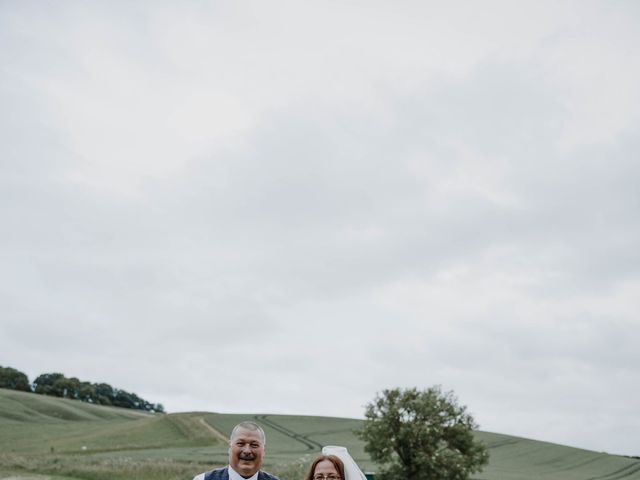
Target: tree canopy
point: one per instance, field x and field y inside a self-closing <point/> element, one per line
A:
<point x="13" y="379"/>
<point x="421" y="435"/>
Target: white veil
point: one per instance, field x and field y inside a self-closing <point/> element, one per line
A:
<point x="351" y="470"/>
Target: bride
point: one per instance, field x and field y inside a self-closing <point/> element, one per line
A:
<point x="335" y="463"/>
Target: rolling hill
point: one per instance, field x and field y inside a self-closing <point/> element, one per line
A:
<point x="66" y="439"/>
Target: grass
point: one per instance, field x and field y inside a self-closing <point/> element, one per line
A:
<point x="46" y="438"/>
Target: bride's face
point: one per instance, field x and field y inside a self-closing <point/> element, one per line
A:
<point x="325" y="470"/>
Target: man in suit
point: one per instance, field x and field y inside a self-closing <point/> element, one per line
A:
<point x="246" y="450"/>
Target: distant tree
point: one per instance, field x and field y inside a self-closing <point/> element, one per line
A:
<point x="104" y="394"/>
<point x="123" y="399"/>
<point x="87" y="392"/>
<point x="45" y="384"/>
<point x="14" y="379"/>
<point x="421" y="435"/>
<point x="66" y="388"/>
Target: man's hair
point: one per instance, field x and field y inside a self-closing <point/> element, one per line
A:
<point x="248" y="425"/>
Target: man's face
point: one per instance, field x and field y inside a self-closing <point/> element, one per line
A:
<point x="246" y="450"/>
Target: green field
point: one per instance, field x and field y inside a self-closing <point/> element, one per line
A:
<point x="47" y="438"/>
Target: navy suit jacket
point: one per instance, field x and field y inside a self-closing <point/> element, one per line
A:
<point x="223" y="474"/>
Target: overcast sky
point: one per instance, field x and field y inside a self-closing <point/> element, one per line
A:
<point x="286" y="207"/>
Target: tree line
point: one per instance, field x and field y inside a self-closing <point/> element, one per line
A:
<point x="57" y="385"/>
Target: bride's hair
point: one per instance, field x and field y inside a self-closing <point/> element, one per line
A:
<point x="333" y="459"/>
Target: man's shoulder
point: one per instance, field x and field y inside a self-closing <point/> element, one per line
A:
<point x="223" y="474"/>
<point x="217" y="474"/>
<point x="266" y="476"/>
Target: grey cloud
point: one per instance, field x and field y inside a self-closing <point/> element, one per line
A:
<point x="268" y="252"/>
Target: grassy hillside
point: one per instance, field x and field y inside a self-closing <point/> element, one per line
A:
<point x="66" y="440"/>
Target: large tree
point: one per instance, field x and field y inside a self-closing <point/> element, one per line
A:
<point x="421" y="435"/>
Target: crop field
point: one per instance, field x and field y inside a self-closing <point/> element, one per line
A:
<point x="47" y="438"/>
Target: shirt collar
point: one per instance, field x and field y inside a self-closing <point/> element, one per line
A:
<point x="233" y="475"/>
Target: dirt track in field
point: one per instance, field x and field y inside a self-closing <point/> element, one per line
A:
<point x="215" y="432"/>
<point x="307" y="442"/>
